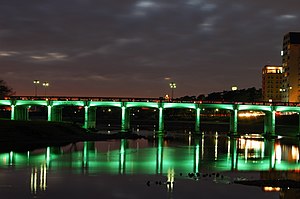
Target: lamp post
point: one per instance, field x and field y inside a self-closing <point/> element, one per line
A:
<point x="36" y="82"/>
<point x="172" y="86"/>
<point x="45" y="84"/>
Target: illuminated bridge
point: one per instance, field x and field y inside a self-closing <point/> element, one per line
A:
<point x="20" y="106"/>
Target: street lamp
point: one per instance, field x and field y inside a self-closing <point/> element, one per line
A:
<point x="45" y="84"/>
<point x="172" y="86"/>
<point x="36" y="82"/>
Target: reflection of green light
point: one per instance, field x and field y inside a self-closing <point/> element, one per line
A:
<point x="197" y="157"/>
<point x="85" y="154"/>
<point x="151" y="160"/>
<point x="11" y="155"/>
<point x="48" y="156"/>
<point x="4" y="157"/>
<point x="122" y="156"/>
<point x="216" y="146"/>
<point x="159" y="155"/>
<point x="234" y="154"/>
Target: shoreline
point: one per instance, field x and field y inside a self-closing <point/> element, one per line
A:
<point x="21" y="135"/>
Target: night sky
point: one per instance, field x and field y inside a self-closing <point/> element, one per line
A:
<point x="134" y="48"/>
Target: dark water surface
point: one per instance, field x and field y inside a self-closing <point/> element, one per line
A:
<point x="182" y="166"/>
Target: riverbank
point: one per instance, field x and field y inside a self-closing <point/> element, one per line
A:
<point x="20" y="135"/>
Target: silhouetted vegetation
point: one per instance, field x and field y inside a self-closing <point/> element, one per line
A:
<point x="5" y="90"/>
<point x="243" y="95"/>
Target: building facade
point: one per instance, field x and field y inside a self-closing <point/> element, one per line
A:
<point x="271" y="83"/>
<point x="291" y="67"/>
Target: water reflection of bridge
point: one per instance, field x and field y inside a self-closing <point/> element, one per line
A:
<point x="241" y="154"/>
<point x="20" y="105"/>
<point x="204" y="154"/>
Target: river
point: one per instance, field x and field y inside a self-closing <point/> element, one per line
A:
<point x="179" y="166"/>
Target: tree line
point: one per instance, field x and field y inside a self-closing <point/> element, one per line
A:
<point x="5" y="90"/>
<point x="242" y="95"/>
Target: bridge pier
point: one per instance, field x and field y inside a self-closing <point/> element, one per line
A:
<point x="125" y="125"/>
<point x="54" y="114"/>
<point x="299" y="126"/>
<point x="12" y="113"/>
<point x="197" y="122"/>
<point x="19" y="112"/>
<point x="89" y="117"/>
<point x="269" y="123"/>
<point x="161" y="125"/>
<point x="233" y="121"/>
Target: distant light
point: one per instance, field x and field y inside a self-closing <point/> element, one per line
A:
<point x="45" y="84"/>
<point x="234" y="88"/>
<point x="251" y="114"/>
<point x="271" y="189"/>
<point x="281" y="53"/>
<point x="172" y="85"/>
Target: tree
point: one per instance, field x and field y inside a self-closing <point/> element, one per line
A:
<point x="5" y="90"/>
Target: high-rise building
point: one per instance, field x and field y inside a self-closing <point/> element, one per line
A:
<point x="291" y="67"/>
<point x="271" y="82"/>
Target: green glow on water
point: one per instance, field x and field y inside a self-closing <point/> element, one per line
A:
<point x="123" y="156"/>
<point x="206" y="153"/>
<point x="197" y="158"/>
<point x="159" y="155"/>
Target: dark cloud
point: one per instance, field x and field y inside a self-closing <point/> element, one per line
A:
<point x="128" y="48"/>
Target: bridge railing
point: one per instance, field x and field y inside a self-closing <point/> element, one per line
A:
<point x="161" y="99"/>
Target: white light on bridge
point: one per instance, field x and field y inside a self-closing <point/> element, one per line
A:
<point x="251" y="114"/>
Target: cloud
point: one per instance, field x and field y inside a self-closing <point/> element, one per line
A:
<point x="134" y="41"/>
<point x="145" y="4"/>
<point x="8" y="53"/>
<point x="286" y="17"/>
<point x="49" y="57"/>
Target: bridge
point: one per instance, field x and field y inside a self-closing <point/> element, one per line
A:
<point x="20" y="106"/>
